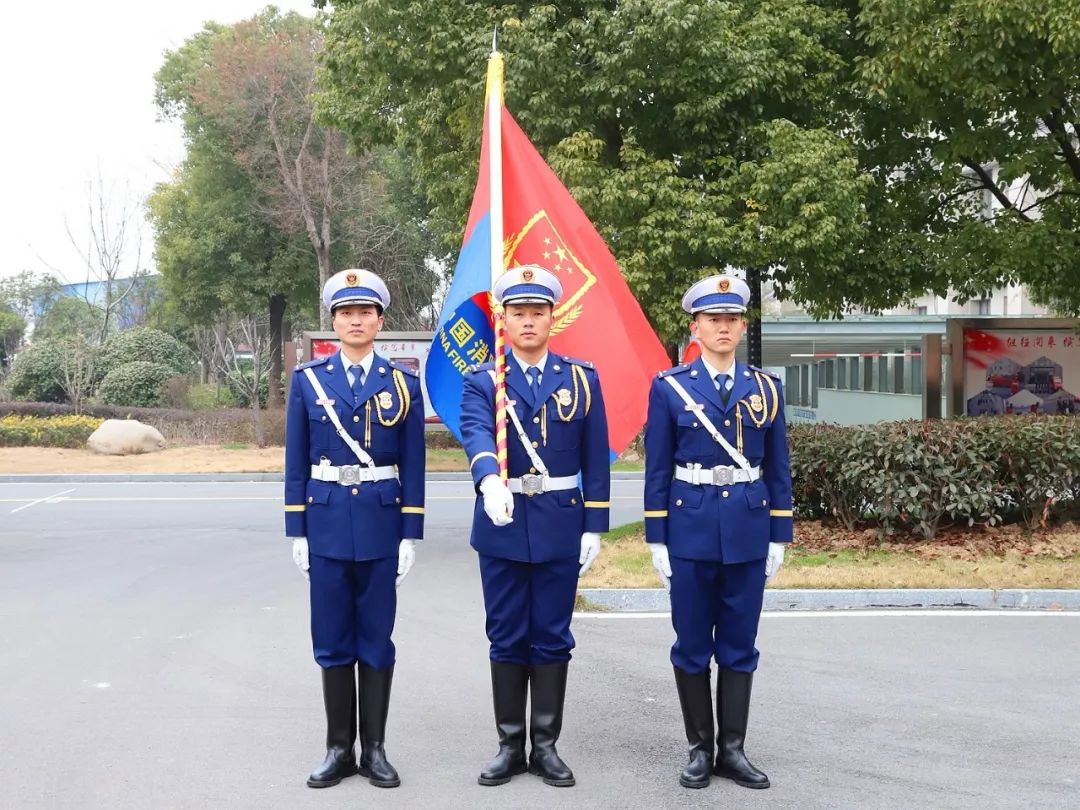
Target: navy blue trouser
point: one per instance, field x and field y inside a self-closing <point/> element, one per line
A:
<point x="715" y="609"/>
<point x="353" y="605"/>
<point x="529" y="607"/>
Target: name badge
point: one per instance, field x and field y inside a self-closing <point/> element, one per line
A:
<point x="695" y="407"/>
<point x="324" y="401"/>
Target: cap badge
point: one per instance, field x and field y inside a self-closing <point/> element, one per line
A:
<point x="351" y="279"/>
<point x="724" y="285"/>
<point x="526" y="275"/>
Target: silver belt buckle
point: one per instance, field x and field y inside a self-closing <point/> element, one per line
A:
<point x="349" y="474"/>
<point x="723" y="475"/>
<point x="532" y="485"/>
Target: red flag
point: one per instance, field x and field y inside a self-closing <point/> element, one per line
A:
<point x="598" y="318"/>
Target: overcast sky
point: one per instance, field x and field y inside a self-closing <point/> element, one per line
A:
<point x="78" y="88"/>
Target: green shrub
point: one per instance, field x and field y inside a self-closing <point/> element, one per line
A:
<point x="36" y="374"/>
<point x="46" y="431"/>
<point x="915" y="477"/>
<point x="138" y="383"/>
<point x="202" y="397"/>
<point x="143" y="344"/>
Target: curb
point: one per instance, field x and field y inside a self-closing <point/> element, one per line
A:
<point x="209" y="478"/>
<point x="656" y="599"/>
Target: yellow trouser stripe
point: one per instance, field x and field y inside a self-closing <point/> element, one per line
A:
<point x="597" y="504"/>
<point x="297" y="508"/>
<point x="781" y="513"/>
<point x="412" y="510"/>
<point x="660" y="513"/>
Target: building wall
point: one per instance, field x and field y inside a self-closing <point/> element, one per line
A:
<point x="858" y="408"/>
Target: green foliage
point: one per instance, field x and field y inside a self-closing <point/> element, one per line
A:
<point x="913" y="477"/>
<point x="70" y="316"/>
<point x="147" y="345"/>
<point x="46" y="431"/>
<point x="37" y="373"/>
<point x="12" y="328"/>
<point x="694" y="134"/>
<point x="203" y="397"/>
<point x="968" y="98"/>
<point x="137" y="383"/>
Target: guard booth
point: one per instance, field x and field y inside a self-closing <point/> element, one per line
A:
<point x="410" y="349"/>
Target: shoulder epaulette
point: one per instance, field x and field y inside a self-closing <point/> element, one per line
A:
<point x="479" y="367"/>
<point x="318" y="361"/>
<point x="679" y="368"/>
<point x="576" y="361"/>
<point x="766" y="372"/>
<point x="402" y="367"/>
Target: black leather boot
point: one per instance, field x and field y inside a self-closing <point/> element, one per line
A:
<point x="548" y="686"/>
<point x="509" y="690"/>
<point x="339" y="698"/>
<point x="732" y="713"/>
<point x="374" y="689"/>
<point x="695" y="697"/>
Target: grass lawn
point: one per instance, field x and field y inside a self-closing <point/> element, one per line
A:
<point x="1003" y="558"/>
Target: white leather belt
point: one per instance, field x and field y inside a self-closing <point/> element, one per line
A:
<point x="535" y="484"/>
<point x="350" y="474"/>
<point x="718" y="476"/>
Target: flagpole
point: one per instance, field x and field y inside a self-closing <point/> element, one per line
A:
<point x="495" y="190"/>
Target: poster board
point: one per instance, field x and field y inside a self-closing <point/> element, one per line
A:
<point x="1014" y="366"/>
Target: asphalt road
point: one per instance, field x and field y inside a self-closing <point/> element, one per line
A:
<point x="154" y="653"/>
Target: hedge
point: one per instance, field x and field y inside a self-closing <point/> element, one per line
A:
<point x="915" y="477"/>
<point x="137" y="383"/>
<point x="49" y="431"/>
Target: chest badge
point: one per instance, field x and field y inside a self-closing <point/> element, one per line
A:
<point x="563" y="397"/>
<point x="756" y="405"/>
<point x="386" y="400"/>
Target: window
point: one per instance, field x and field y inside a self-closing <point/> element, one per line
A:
<point x="921" y="310"/>
<point x="982" y="306"/>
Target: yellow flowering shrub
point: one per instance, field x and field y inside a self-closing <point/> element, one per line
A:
<point x="46" y="431"/>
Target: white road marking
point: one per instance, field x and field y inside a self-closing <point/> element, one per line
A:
<point x="880" y="613"/>
<point x="42" y="500"/>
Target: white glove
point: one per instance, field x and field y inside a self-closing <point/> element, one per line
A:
<point x="300" y="556"/>
<point x="774" y="560"/>
<point x="498" y="500"/>
<point x="662" y="563"/>
<point x="406" y="556"/>
<point x="590" y="550"/>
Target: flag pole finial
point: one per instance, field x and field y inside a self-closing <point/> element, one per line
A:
<point x="495" y="40"/>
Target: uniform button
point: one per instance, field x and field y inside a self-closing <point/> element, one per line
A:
<point x="573" y="501"/>
<point x="397" y="500"/>
<point x="678" y="502"/>
<point x="763" y="501"/>
<point x="355" y="490"/>
<point x="726" y="493"/>
<point x="324" y="417"/>
<point x="727" y="423"/>
<point x="536" y="420"/>
<point x="532" y="470"/>
<point x="695" y="424"/>
<point x="310" y="499"/>
<point x="536" y="444"/>
<point x="356" y="418"/>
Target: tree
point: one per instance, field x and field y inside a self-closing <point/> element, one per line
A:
<point x="12" y="328"/>
<point x="971" y="113"/>
<point x="250" y="333"/>
<point x="70" y="316"/>
<point x="695" y="134"/>
<point x="28" y="293"/>
<point x="264" y="185"/>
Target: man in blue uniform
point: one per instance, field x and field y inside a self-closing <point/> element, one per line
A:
<point x="537" y="533"/>
<point x="717" y="515"/>
<point x="354" y="508"/>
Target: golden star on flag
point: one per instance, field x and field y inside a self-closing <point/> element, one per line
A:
<point x="560" y="253"/>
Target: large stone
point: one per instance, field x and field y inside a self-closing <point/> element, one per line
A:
<point x="125" y="437"/>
